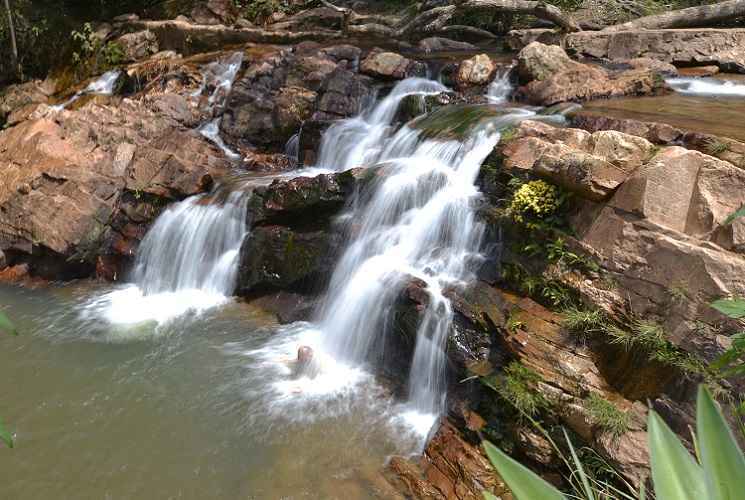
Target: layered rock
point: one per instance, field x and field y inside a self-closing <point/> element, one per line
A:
<point x="82" y="186"/>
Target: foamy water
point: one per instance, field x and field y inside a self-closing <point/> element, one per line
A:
<point x="707" y="87"/>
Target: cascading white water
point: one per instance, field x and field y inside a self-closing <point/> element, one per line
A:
<point x="360" y="141"/>
<point x="187" y="262"/>
<point x="188" y="259"/>
<point x="500" y="88"/>
<point x="103" y="85"/>
<point x="220" y="75"/>
<point x="417" y="222"/>
<point x="706" y="87"/>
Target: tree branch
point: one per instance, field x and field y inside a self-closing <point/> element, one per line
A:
<point x="692" y="17"/>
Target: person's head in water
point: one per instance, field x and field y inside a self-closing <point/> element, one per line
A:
<point x="304" y="354"/>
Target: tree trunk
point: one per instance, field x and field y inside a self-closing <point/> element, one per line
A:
<point x="13" y="44"/>
<point x="692" y="17"/>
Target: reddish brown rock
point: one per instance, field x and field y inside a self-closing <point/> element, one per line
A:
<point x="391" y="65"/>
<point x="479" y="70"/>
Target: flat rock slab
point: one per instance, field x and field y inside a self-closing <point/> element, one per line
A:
<point x="723" y="47"/>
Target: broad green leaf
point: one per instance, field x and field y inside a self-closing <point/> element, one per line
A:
<point x="590" y="495"/>
<point x="675" y="473"/>
<point x="736" y="215"/>
<point x="722" y="459"/>
<point x="734" y="308"/>
<point x="488" y="496"/>
<point x="5" y="436"/>
<point x="524" y="483"/>
<point x="6" y="324"/>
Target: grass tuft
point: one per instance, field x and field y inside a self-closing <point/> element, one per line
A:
<point x="607" y="416"/>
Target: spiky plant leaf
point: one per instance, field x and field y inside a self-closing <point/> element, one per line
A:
<point x="735" y="215"/>
<point x="524" y="483"/>
<point x="734" y="308"/>
<point x="589" y="492"/>
<point x="5" y="435"/>
<point x="7" y="325"/>
<point x="722" y="459"/>
<point x="675" y="473"/>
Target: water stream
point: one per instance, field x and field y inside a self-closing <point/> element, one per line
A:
<point x="103" y="85"/>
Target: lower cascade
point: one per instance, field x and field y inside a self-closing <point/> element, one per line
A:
<point x="187" y="261"/>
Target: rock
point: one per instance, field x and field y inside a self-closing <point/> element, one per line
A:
<point x="451" y="468"/>
<point x="125" y="18"/>
<point x="308" y="20"/>
<point x="647" y="63"/>
<point x="302" y="199"/>
<point x="138" y="45"/>
<point x="382" y="64"/>
<point x="588" y="82"/>
<point x="15" y="97"/>
<point x="277" y="257"/>
<point x="69" y="175"/>
<point x="309" y="141"/>
<point x="657" y="133"/>
<point x="517" y="40"/>
<point x="287" y="306"/>
<point x="723" y="47"/>
<point x="590" y="165"/>
<point x="344" y="92"/>
<point x="215" y="12"/>
<point x="699" y="71"/>
<point x="537" y="62"/>
<point x="293" y="106"/>
<point x="439" y="44"/>
<point x="476" y="71"/>
<point x="551" y="77"/>
<point x="266" y="162"/>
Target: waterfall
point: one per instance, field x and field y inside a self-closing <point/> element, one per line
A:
<point x="220" y="76"/>
<point x="418" y="222"/>
<point x="500" y="88"/>
<point x="103" y="85"/>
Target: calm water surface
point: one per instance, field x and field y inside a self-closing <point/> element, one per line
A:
<point x="186" y="410"/>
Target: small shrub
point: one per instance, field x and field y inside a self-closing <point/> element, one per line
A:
<point x="534" y="200"/>
<point x="517" y="387"/>
<point x="715" y="147"/>
<point x="607" y="416"/>
<point x="584" y="321"/>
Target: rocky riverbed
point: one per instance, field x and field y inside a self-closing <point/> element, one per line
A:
<point x="591" y="297"/>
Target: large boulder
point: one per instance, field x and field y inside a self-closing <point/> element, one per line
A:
<point x="15" y="97"/>
<point x="439" y="44"/>
<point x="479" y="70"/>
<point x="551" y="77"/>
<point x="383" y="64"/>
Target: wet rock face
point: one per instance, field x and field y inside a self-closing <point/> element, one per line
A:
<point x="550" y="77"/>
<point x="293" y="244"/>
<point x="283" y="89"/>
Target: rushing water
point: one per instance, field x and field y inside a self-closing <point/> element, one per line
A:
<point x="208" y="405"/>
<point x="103" y="85"/>
<point x="707" y="87"/>
<point x="219" y="76"/>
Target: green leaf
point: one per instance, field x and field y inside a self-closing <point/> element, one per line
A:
<point x="488" y="496"/>
<point x="589" y="494"/>
<point x="5" y="436"/>
<point x="736" y="215"/>
<point x="524" y="483"/>
<point x="722" y="459"/>
<point x="675" y="473"/>
<point x="7" y="325"/>
<point x="734" y="308"/>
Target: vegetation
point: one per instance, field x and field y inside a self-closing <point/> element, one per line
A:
<point x="584" y="322"/>
<point x="716" y="473"/>
<point x="534" y="200"/>
<point x="607" y="416"/>
<point x="517" y="387"/>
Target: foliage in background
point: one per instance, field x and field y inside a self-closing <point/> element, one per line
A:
<point x="718" y="473"/>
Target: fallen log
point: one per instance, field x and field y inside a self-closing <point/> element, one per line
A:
<point x="692" y="17"/>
